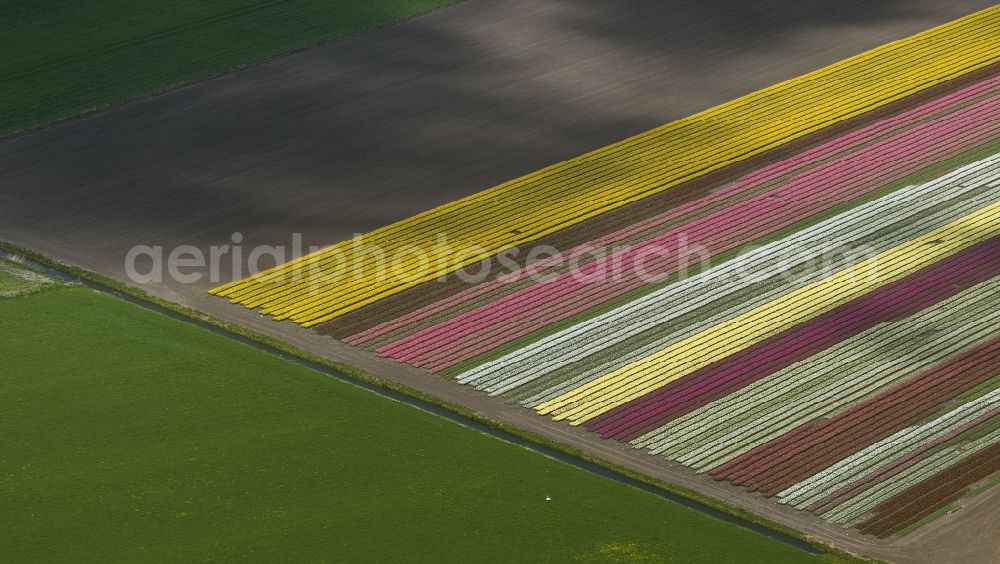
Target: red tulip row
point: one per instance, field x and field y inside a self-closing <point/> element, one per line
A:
<point x="926" y="497"/>
<point x="786" y="460"/>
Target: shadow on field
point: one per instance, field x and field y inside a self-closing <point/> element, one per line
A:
<point x="355" y="134"/>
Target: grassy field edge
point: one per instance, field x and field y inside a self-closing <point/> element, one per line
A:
<point x="833" y="553"/>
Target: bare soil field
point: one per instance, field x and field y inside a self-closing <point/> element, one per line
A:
<point x="349" y="136"/>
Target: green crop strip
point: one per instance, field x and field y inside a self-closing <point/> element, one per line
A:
<point x="59" y="61"/>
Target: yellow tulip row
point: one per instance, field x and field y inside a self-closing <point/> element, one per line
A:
<point x="312" y="289"/>
<point x="647" y="374"/>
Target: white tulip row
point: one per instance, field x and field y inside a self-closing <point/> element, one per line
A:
<point x="533" y="361"/>
<point x="737" y="303"/>
<point x="725" y="339"/>
<point x="836" y="378"/>
<point x="849" y="512"/>
<point x="869" y="459"/>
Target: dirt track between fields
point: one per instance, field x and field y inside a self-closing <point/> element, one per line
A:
<point x="355" y="134"/>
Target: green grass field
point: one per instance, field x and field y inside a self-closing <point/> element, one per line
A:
<point x="128" y="435"/>
<point x="10" y="282"/>
<point x="16" y="281"/>
<point x="58" y="59"/>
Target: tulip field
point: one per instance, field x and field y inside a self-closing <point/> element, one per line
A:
<point x="797" y="292"/>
